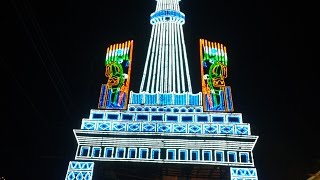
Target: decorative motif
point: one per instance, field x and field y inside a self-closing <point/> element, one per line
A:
<point x="89" y="126"/>
<point x="242" y="130"/>
<point x="180" y="128"/>
<point x="164" y="128"/>
<point x="104" y="126"/>
<point x="119" y="127"/>
<point x="226" y="129"/>
<point x="243" y="173"/>
<point x="79" y="171"/>
<point x="149" y="127"/>
<point x="214" y="61"/>
<point x="195" y="128"/>
<point x="210" y="129"/>
<point x="134" y="127"/>
<point x="168" y="126"/>
<point x="114" y="94"/>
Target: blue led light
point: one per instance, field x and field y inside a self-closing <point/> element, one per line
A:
<point x="132" y="153"/>
<point x="134" y="127"/>
<point x="195" y="129"/>
<point x="243" y="173"/>
<point x="149" y="127"/>
<point x="226" y="129"/>
<point x="171" y="154"/>
<point x="142" y="117"/>
<point x="167" y="15"/>
<point x="119" y="127"/>
<point x="89" y="126"/>
<point x="242" y="129"/>
<point x="105" y="126"/>
<point x="210" y="129"/>
<point x="183" y="154"/>
<point x="164" y="128"/>
<point x="195" y="155"/>
<point x="155" y="154"/>
<point x="180" y="128"/>
<point x="207" y="155"/>
<point x="157" y="118"/>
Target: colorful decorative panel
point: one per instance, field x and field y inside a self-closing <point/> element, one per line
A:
<point x="115" y="94"/>
<point x="216" y="95"/>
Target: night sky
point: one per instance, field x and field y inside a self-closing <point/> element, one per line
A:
<point x="52" y="66"/>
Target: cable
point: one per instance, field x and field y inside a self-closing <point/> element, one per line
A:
<point x="55" y="75"/>
<point x="23" y="92"/>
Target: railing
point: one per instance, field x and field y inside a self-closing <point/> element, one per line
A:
<point x="167" y="127"/>
<point x="166" y="98"/>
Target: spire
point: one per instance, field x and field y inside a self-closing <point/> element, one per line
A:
<point x="166" y="69"/>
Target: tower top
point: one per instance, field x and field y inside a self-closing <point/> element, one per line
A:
<point x="167" y="11"/>
<point x="166" y="69"/>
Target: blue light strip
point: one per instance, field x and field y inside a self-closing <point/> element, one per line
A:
<point x="168" y="127"/>
<point x="167" y="15"/>
<point x="166" y="99"/>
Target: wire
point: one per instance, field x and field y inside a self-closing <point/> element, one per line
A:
<point x="23" y="92"/>
<point x="45" y="54"/>
<point x="49" y="52"/>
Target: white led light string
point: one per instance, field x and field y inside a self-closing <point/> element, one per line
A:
<point x="151" y="71"/>
<point x="177" y="57"/>
<point x="147" y="59"/>
<point x="186" y="61"/>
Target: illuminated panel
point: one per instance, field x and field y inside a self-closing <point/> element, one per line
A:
<point x="243" y="173"/>
<point x="216" y="95"/>
<point x="79" y="170"/>
<point x="115" y="94"/>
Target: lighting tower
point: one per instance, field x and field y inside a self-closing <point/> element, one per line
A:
<point x="164" y="131"/>
<point x="166" y="69"/>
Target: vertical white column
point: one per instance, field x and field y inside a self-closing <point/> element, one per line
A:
<point x="173" y="60"/>
<point x="181" y="59"/>
<point x="159" y="59"/>
<point x="177" y="58"/>
<point x="153" y="54"/>
<point x="171" y="70"/>
<point x="186" y="61"/>
<point x="163" y="50"/>
<point x="158" y="6"/>
<point x="166" y="68"/>
<point x="147" y="60"/>
<point x="162" y="5"/>
<point x="156" y="58"/>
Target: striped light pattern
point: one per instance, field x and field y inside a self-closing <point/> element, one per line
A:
<point x="237" y="145"/>
<point x="166" y="69"/>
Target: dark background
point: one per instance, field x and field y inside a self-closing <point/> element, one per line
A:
<point x="52" y="67"/>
